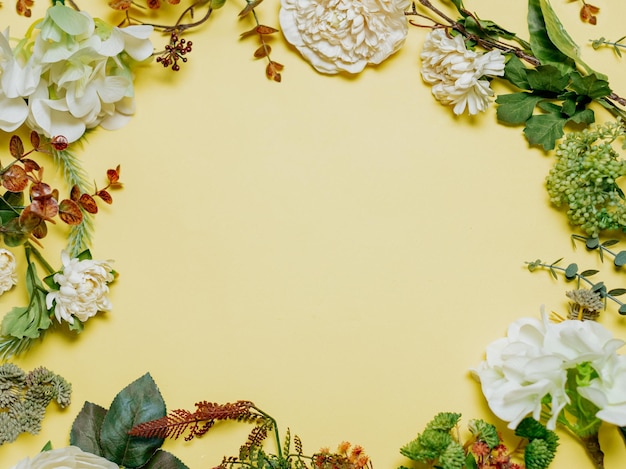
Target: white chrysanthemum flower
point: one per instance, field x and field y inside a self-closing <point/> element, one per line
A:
<point x="8" y="277"/>
<point x="457" y="75"/>
<point x="70" y="457"/>
<point x="83" y="289"/>
<point x="531" y="363"/>
<point x="344" y="35"/>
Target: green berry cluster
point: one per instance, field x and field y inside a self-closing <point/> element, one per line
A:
<point x="584" y="179"/>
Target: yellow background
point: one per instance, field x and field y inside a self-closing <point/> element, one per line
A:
<point x="339" y="250"/>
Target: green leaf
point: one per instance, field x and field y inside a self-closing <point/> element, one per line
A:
<point x="515" y="72"/>
<point x="609" y="242"/>
<point x="138" y="402"/>
<point x="559" y="36"/>
<point x="589" y="85"/>
<point x="47" y="446"/>
<point x="571" y="271"/>
<point x="547" y="78"/>
<point x="86" y="428"/>
<point x="12" y="232"/>
<point x="516" y="108"/>
<point x="544" y="130"/>
<point x="620" y="259"/>
<point x="592" y="243"/>
<point x="470" y="461"/>
<point x="164" y="460"/>
<point x="588" y="273"/>
<point x="69" y="20"/>
<point x="10" y="203"/>
<point x="215" y="4"/>
<point x="622" y="310"/>
<point x="540" y="43"/>
<point x="583" y="116"/>
<point x="29" y="321"/>
<point x="622" y="431"/>
<point x="617" y="292"/>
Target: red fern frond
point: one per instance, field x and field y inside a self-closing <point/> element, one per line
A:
<point x="257" y="436"/>
<point x="177" y="422"/>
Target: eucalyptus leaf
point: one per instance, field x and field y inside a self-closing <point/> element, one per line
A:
<point x="592" y="243"/>
<point x="620" y="259"/>
<point x="589" y="272"/>
<point x="215" y="4"/>
<point x="617" y="292"/>
<point x="86" y="428"/>
<point x="138" y="402"/>
<point x="622" y="310"/>
<point x="609" y="242"/>
<point x="571" y="271"/>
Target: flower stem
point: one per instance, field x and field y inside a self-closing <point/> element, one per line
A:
<point x="592" y="445"/>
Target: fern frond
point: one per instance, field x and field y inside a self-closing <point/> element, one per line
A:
<point x="80" y="235"/>
<point x="297" y="444"/>
<point x="257" y="436"/>
<point x="197" y="423"/>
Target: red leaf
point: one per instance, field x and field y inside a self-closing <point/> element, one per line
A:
<point x="262" y="29"/>
<point x="105" y="196"/>
<point x="262" y="51"/>
<point x="15" y="179"/>
<point x="75" y="193"/>
<point x="46" y="209"/>
<point x="16" y="147"/>
<point x="34" y="139"/>
<point x="69" y="212"/>
<point x="88" y="203"/>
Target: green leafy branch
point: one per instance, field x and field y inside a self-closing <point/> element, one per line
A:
<point x="439" y="445"/>
<point x="593" y="243"/>
<point x="571" y="273"/>
<point x="616" y="45"/>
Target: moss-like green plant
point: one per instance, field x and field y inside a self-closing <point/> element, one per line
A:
<point x="24" y="398"/>
<point x="439" y="445"/>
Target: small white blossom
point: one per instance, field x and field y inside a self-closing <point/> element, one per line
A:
<point x="531" y="363"/>
<point x="8" y="277"/>
<point x="70" y="457"/>
<point x="83" y="289"/>
<point x="344" y="35"/>
<point x="457" y="75"/>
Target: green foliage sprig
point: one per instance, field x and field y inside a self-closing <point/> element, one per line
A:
<point x="440" y="446"/>
<point x="572" y="273"/>
<point x="24" y="398"/>
<point x="555" y="80"/>
<point x="615" y="45"/>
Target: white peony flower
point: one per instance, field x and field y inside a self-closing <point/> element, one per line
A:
<point x="83" y="289"/>
<point x="608" y="391"/>
<point x="344" y="35"/>
<point x="457" y="75"/>
<point x="531" y="364"/>
<point x="8" y="277"/>
<point x="70" y="457"/>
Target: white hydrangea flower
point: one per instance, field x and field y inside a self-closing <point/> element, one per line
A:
<point x="83" y="289"/>
<point x="70" y="457"/>
<point x="8" y="276"/>
<point x="344" y="35"/>
<point x="457" y="75"/>
<point x="531" y="362"/>
<point x="72" y="74"/>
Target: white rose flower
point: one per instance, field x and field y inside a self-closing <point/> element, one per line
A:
<point x="8" y="277"/>
<point x="344" y="35"/>
<point x="83" y="289"/>
<point x="531" y="363"/>
<point x="70" y="457"/>
<point x="457" y="75"/>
